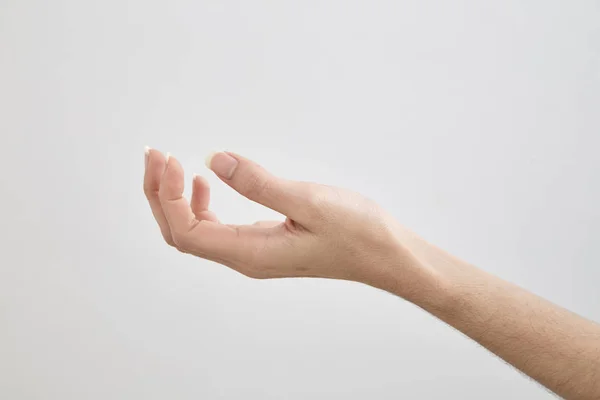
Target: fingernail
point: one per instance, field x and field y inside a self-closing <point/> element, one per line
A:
<point x="222" y="164"/>
<point x="167" y="158"/>
<point x="146" y="156"/>
<point x="209" y="158"/>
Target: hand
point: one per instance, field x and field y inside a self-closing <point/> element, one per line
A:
<point x="333" y="233"/>
<point x="328" y="232"/>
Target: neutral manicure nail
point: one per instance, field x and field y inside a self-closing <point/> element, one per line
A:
<point x="222" y="164"/>
<point x="146" y="156"/>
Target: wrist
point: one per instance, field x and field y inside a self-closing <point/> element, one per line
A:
<point x="405" y="273"/>
<point x="421" y="273"/>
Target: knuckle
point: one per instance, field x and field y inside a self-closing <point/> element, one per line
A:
<point x="254" y="273"/>
<point x="169" y="240"/>
<point x="149" y="191"/>
<point x="253" y="267"/>
<point x="256" y="186"/>
<point x="181" y="241"/>
<point x="316" y="199"/>
<point x="166" y="234"/>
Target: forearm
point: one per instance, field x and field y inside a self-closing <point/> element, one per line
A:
<point x="559" y="349"/>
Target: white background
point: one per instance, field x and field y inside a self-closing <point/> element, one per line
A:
<point x="477" y="124"/>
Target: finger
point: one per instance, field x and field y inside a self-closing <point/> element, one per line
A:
<point x="155" y="166"/>
<point x="267" y="224"/>
<point x="254" y="182"/>
<point x="176" y="208"/>
<point x="233" y="245"/>
<point x="201" y="199"/>
<point x="229" y="245"/>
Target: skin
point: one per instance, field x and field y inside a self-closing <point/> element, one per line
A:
<point x="337" y="234"/>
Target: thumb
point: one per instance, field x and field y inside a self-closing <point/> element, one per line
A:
<point x="257" y="184"/>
